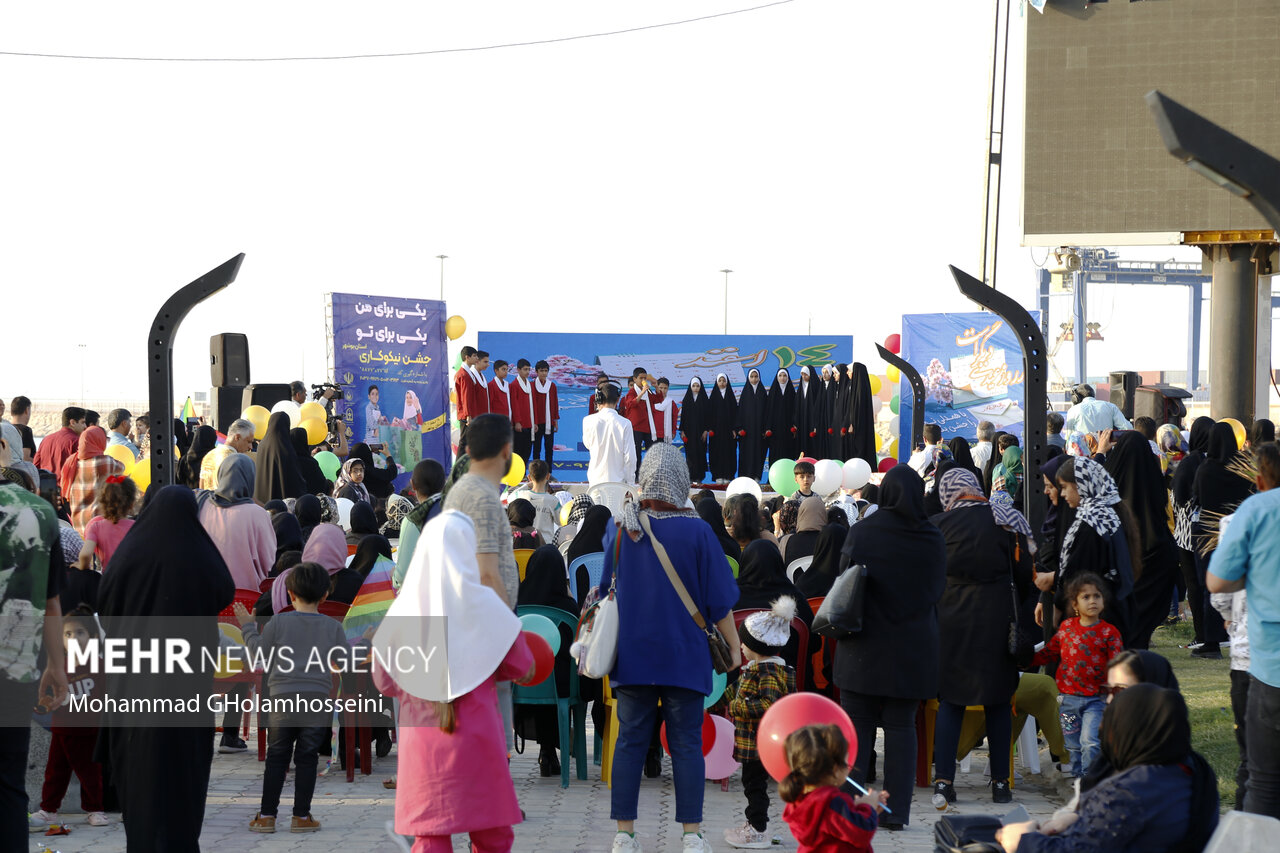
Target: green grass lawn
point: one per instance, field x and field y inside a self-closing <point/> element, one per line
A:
<point x="1206" y="686"/>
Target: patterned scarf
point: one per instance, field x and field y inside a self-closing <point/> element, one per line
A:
<point x="664" y="478"/>
<point x="1098" y="494"/>
<point x="960" y="488"/>
<point x="398" y="508"/>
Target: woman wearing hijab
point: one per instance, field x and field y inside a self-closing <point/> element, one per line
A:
<point x="1138" y="479"/>
<point x="328" y="547"/>
<point x="962" y="455"/>
<point x="309" y="511"/>
<point x="398" y="509"/>
<point x="1149" y="791"/>
<point x="1098" y="539"/>
<point x="241" y="529"/>
<point x="860" y="442"/>
<point x="277" y="465"/>
<point x="363" y="522"/>
<point x="381" y="482"/>
<point x="839" y="397"/>
<point x="884" y="671"/>
<point x="288" y="533"/>
<point x="350" y="483"/>
<point x="1137" y="667"/>
<point x="762" y="579"/>
<point x="780" y="431"/>
<point x="188" y="473"/>
<point x="810" y="428"/>
<point x="170" y="568"/>
<point x="753" y="421"/>
<point x="544" y="585"/>
<point x="181" y="437"/>
<point x="313" y="479"/>
<point x="372" y="549"/>
<point x="987" y="549"/>
<point x="84" y="474"/>
<point x="822" y="572"/>
<point x="588" y="540"/>
<point x="1184" y="510"/>
<point x="577" y="511"/>
<point x="996" y="457"/>
<point x="695" y="424"/>
<point x="724" y="416"/>
<point x="662" y="653"/>
<point x="1007" y="476"/>
<point x="1057" y="520"/>
<point x="1218" y="491"/>
<point x="708" y="509"/>
<point x="809" y="523"/>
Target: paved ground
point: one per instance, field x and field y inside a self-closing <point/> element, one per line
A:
<point x="573" y="819"/>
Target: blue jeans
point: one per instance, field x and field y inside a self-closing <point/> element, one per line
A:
<point x="1081" y="719"/>
<point x="637" y="714"/>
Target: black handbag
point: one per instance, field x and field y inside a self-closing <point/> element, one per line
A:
<point x="1022" y="647"/>
<point x="967" y="834"/>
<point x="840" y="615"/>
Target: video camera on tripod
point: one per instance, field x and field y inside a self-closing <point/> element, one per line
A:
<point x="325" y="393"/>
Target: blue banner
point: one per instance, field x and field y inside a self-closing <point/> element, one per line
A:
<point x="972" y="369"/>
<point x="390" y="354"/>
<point x="577" y="359"/>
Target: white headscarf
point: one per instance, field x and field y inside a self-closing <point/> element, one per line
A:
<point x="443" y="605"/>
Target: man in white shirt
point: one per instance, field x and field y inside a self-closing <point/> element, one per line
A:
<point x="609" y="438"/>
<point x="1089" y="414"/>
<point x="921" y="458"/>
<point x="981" y="451"/>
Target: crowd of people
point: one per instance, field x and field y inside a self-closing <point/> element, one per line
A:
<point x="963" y="605"/>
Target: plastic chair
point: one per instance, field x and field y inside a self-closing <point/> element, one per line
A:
<point x="612" y="495"/>
<point x="247" y="597"/>
<point x="926" y="724"/>
<point x="522" y="559"/>
<point x="798" y="565"/>
<point x="801" y="631"/>
<point x="594" y="564"/>
<point x="265" y="585"/>
<point x="821" y="653"/>
<point x="335" y="609"/>
<point x="572" y="736"/>
<point x="733" y="565"/>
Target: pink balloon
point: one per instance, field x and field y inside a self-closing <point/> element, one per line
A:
<point x="719" y="761"/>
<point x="893" y="343"/>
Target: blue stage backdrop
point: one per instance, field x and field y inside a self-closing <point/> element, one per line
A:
<point x="971" y="364"/>
<point x="577" y="359"/>
<point x="390" y="353"/>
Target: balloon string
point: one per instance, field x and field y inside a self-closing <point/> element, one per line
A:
<point x="865" y="792"/>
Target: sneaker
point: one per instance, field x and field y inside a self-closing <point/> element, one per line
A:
<point x="1207" y="652"/>
<point x="232" y="743"/>
<point x="304" y="824"/>
<point x="625" y="842"/>
<point x="695" y="843"/>
<point x="40" y="820"/>
<point x="1000" y="792"/>
<point x="98" y="819"/>
<point x="262" y="824"/>
<point x="383" y="746"/>
<point x="747" y="837"/>
<point x="944" y="793"/>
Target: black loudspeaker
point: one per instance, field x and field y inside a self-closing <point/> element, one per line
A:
<point x="1162" y="403"/>
<point x="1124" y="384"/>
<point x="229" y="360"/>
<point x="263" y="395"/>
<point x="224" y="406"/>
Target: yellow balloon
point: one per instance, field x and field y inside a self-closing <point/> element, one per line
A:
<point x="227" y="665"/>
<point x="453" y="397"/>
<point x="123" y="455"/>
<point x="312" y="409"/>
<point x="141" y="475"/>
<point x="516" y="474"/>
<point x="879" y="442"/>
<point x="316" y="430"/>
<point x="893" y="374"/>
<point x="454" y="327"/>
<point x="564" y="514"/>
<point x="258" y="416"/>
<point x="1238" y="429"/>
<point x="893" y="448"/>
<point x="875" y="384"/>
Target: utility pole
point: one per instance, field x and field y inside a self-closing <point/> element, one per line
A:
<point x="726" y="300"/>
<point x="442" y="258"/>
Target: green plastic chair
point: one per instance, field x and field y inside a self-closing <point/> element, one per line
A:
<point x="733" y="564"/>
<point x="545" y="694"/>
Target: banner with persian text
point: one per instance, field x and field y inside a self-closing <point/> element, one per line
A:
<point x="390" y="356"/>
<point x="577" y="359"/>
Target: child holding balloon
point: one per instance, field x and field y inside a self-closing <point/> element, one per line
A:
<point x="823" y="818"/>
<point x="764" y="680"/>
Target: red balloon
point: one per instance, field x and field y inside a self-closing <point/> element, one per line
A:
<point x="808" y="459"/>
<point x="886" y="464"/>
<point x="544" y="660"/>
<point x="793" y="712"/>
<point x="708" y="734"/>
<point x="893" y="343"/>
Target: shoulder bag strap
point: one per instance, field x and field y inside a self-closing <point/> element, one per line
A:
<point x="671" y="573"/>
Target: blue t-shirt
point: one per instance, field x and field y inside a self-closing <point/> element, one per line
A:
<point x="658" y="641"/>
<point x="1250" y="549"/>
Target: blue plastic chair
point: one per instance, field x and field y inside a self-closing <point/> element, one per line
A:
<point x="595" y="570"/>
<point x="545" y="694"/>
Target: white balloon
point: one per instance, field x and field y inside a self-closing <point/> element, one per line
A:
<point x="826" y="476"/>
<point x="744" y="485"/>
<point x="564" y="497"/>
<point x="895" y="423"/>
<point x="344" y="512"/>
<point x="857" y="473"/>
<point x="290" y="408"/>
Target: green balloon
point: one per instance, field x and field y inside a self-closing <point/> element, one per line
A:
<point x="457" y="362"/>
<point x="893" y="404"/>
<point x="328" y="463"/>
<point x="782" y="476"/>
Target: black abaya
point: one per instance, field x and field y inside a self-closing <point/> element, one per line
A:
<point x="808" y="415"/>
<point x="752" y="424"/>
<point x="724" y="416"/>
<point x="167" y="567"/>
<point x="188" y="473"/>
<point x="762" y="580"/>
<point x="838" y="393"/>
<point x="860" y="443"/>
<point x="276" y="476"/>
<point x="695" y="419"/>
<point x="781" y="420"/>
<point x="824" y="569"/>
<point x="313" y="479"/>
<point x="708" y="510"/>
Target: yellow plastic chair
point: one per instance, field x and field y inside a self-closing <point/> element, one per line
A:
<point x="522" y="560"/>
<point x="930" y="723"/>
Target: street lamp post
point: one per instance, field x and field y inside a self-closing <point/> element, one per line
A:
<point x="726" y="300"/>
<point x="442" y="257"/>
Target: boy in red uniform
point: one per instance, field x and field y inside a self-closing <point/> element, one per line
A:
<point x="522" y="417"/>
<point x="637" y="407"/>
<point x="546" y="413"/>
<point x="475" y="392"/>
<point x="666" y="414"/>
<point x="500" y="390"/>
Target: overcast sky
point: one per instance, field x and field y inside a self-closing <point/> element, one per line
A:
<point x="829" y="152"/>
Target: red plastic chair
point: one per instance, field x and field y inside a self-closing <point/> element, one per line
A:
<point x="247" y="597"/>
<point x="265" y="585"/>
